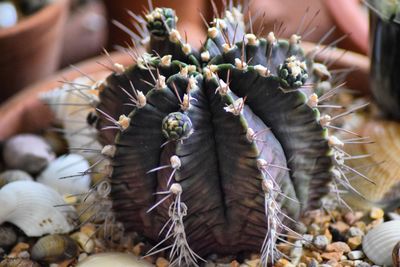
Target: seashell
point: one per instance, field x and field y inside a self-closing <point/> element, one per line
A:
<point x="382" y="166"/>
<point x="13" y="176"/>
<point x="78" y="133"/>
<point x="8" y="14"/>
<point x="84" y="241"/>
<point x="35" y="208"/>
<point x="113" y="259"/>
<point x="65" y="175"/>
<point x="27" y="152"/>
<point x="17" y="262"/>
<point x="54" y="248"/>
<point x="8" y="236"/>
<point x="380" y="241"/>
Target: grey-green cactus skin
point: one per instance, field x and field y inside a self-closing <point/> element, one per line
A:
<point x="224" y="146"/>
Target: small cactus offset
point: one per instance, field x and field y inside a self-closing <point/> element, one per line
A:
<point x="218" y="150"/>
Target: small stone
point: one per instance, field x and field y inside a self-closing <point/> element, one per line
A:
<point x="297" y="252"/>
<point x="376" y="213"/>
<point x="332" y="255"/>
<point x="328" y="234"/>
<point x="282" y="263"/>
<point x="338" y="247"/>
<point x="342" y="227"/>
<point x="137" y="250"/>
<point x="352" y="217"/>
<point x="162" y="262"/>
<point x="354" y="242"/>
<point x="355" y="231"/>
<point x="312" y="263"/>
<point x="320" y="241"/>
<point x="234" y="263"/>
<point x="307" y="240"/>
<point x="356" y="255"/>
<point x="301" y="264"/>
<point x="361" y="225"/>
<point x="333" y="263"/>
<point x="347" y="262"/>
<point x="317" y="256"/>
<point x="314" y="229"/>
<point x="362" y="264"/>
<point x="284" y="248"/>
<point x="256" y="263"/>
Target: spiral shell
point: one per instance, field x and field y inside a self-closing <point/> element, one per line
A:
<point x="35" y="208"/>
<point x="66" y="175"/>
<point x="54" y="248"/>
<point x="383" y="164"/>
<point x="12" y="176"/>
<point x="113" y="259"/>
<point x="380" y="241"/>
<point x="27" y="152"/>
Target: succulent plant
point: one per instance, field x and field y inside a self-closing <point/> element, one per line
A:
<point x="218" y="150"/>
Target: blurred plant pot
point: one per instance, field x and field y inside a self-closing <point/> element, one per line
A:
<point x="25" y="113"/>
<point x="385" y="64"/>
<point x="346" y="15"/>
<point x="31" y="49"/>
<point x="85" y="33"/>
<point x="189" y="21"/>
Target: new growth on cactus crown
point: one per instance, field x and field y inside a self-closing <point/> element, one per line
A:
<point x="217" y="150"/>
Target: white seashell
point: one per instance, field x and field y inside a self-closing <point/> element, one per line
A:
<point x="71" y="105"/>
<point x="13" y="176"/>
<point x="27" y="152"/>
<point x="65" y="175"/>
<point x="113" y="259"/>
<point x="35" y="208"/>
<point x="379" y="242"/>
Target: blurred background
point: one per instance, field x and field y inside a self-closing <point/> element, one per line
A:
<point x="39" y="37"/>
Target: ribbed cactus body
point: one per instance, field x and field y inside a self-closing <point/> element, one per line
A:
<point x="216" y="150"/>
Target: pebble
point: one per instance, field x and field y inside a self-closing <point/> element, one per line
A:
<point x="355" y="231"/>
<point x="362" y="264"/>
<point x="320" y="241"/>
<point x="352" y="217"/>
<point x="342" y="227"/>
<point x="376" y="213"/>
<point x="354" y="242"/>
<point x="162" y="262"/>
<point x="332" y="255"/>
<point x="338" y="247"/>
<point x="307" y="240"/>
<point x="283" y="263"/>
<point x="356" y="255"/>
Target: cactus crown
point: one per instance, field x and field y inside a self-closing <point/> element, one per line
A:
<point x="217" y="150"/>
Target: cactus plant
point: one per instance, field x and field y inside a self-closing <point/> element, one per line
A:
<point x="218" y="150"/>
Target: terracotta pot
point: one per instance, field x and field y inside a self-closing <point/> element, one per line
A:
<point x="31" y="49"/>
<point x="346" y="15"/>
<point x="189" y="20"/>
<point x="25" y="113"/>
<point x="85" y="32"/>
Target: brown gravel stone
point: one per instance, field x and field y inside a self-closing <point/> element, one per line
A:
<point x="352" y="217"/>
<point x="354" y="242"/>
<point x="342" y="227"/>
<point x="332" y="256"/>
<point x="234" y="263"/>
<point x="162" y="262"/>
<point x="338" y="247"/>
